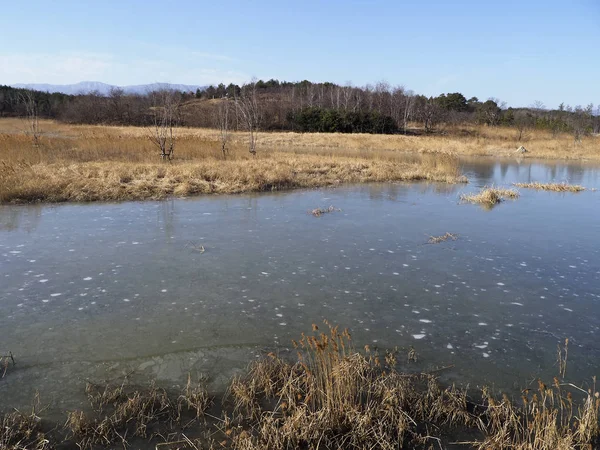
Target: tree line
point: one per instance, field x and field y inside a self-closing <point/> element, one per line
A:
<point x="302" y="106"/>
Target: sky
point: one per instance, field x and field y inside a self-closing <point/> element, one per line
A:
<point x="517" y="51"/>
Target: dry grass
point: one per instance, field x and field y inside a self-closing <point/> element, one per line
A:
<point x="121" y="413"/>
<point x="331" y="397"/>
<point x="335" y="397"/>
<point x="442" y="238"/>
<point x="87" y="163"/>
<point x="555" y="187"/>
<point x="318" y="212"/>
<point x="490" y="196"/>
<point x="20" y="431"/>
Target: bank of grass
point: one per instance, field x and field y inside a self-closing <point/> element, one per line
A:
<point x="87" y="163"/>
<point x="490" y="196"/>
<point x="555" y="187"/>
<point x="330" y="396"/>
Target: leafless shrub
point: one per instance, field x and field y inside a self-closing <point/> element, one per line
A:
<point x="164" y="110"/>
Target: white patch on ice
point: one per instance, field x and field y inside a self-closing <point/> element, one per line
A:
<point x="500" y="284"/>
<point x="283" y="324"/>
<point x="449" y="347"/>
<point x="15" y="252"/>
<point x="43" y="281"/>
<point x="396" y="273"/>
<point x="517" y="303"/>
<point x="405" y="265"/>
<point x="163" y="290"/>
<point x="425" y="320"/>
<point x="125" y="299"/>
<point x="87" y="278"/>
<point x="418" y="336"/>
<point x="482" y="324"/>
<point x="568" y="309"/>
<point x="486" y="355"/>
<point x="55" y="295"/>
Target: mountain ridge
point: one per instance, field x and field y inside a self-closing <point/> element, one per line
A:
<point x="86" y="87"/>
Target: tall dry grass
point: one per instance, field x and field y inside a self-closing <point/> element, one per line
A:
<point x="554" y="187"/>
<point x="489" y="197"/>
<point x="331" y="396"/>
<point x="90" y="163"/>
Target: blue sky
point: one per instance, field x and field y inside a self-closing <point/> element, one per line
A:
<point x="517" y="51"/>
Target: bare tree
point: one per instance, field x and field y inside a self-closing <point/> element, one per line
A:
<point x="29" y="102"/>
<point x="249" y="112"/>
<point x="409" y="104"/>
<point x="524" y="122"/>
<point x="223" y="122"/>
<point x="164" y="108"/>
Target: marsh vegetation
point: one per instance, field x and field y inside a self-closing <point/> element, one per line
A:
<point x="86" y="163"/>
<point x="555" y="187"/>
<point x="490" y="196"/>
<point x="329" y="396"/>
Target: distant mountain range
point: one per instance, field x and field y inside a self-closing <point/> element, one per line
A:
<point x="85" y="87"/>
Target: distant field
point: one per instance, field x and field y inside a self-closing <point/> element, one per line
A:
<point x="94" y="163"/>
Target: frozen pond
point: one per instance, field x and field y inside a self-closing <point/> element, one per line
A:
<point x="203" y="285"/>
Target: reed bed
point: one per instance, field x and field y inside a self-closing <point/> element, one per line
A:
<point x="330" y="396"/>
<point x="120" y="413"/>
<point x="555" y="187"/>
<point x="490" y="196"/>
<point x="85" y="163"/>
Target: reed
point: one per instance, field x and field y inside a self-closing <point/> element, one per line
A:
<point x="443" y="238"/>
<point x="555" y="187"/>
<point x="330" y="396"/>
<point x="318" y="212"/>
<point x="490" y="196"/>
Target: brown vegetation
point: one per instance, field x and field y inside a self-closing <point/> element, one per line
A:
<point x="331" y="397"/>
<point x="89" y="163"/>
<point x="444" y="237"/>
<point x="490" y="196"/>
<point x="318" y="212"/>
<point x="555" y="187"/>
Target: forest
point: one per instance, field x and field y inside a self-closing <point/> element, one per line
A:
<point x="303" y="107"/>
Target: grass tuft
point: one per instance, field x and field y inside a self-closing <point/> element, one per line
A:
<point x="490" y="196"/>
<point x="318" y="212"/>
<point x="555" y="187"/>
<point x="442" y="238"/>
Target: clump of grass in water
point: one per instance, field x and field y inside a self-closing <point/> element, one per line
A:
<point x="121" y="412"/>
<point x="23" y="430"/>
<point x="442" y="238"/>
<point x="318" y="212"/>
<point x="490" y="196"/>
<point x="555" y="187"/>
<point x="335" y="397"/>
<point x="331" y="397"/>
<point x="5" y="362"/>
